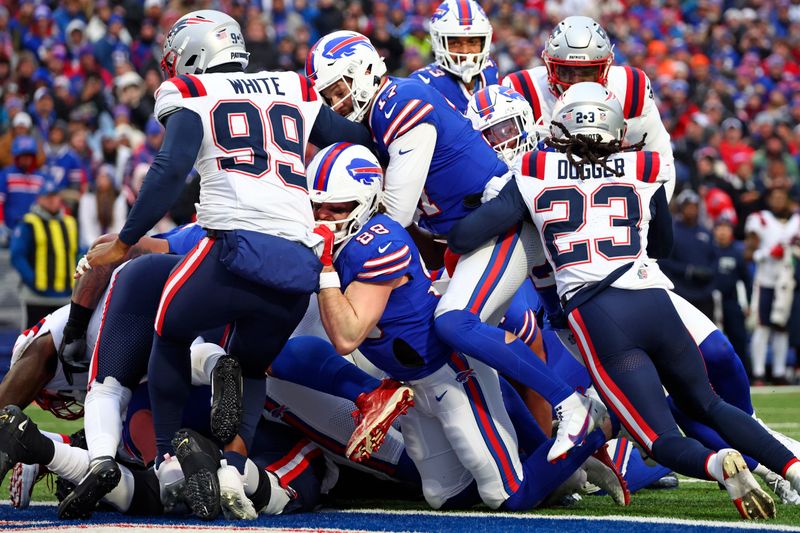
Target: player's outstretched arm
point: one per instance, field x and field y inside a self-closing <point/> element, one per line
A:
<point x="490" y="219"/>
<point x="162" y="185"/>
<point x="26" y="378"/>
<point x="330" y="127"/>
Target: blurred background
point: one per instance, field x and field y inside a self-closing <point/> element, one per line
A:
<point x="77" y="77"/>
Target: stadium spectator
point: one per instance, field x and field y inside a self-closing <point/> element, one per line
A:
<point x="20" y="182"/>
<point x="44" y="249"/>
<point x="102" y="209"/>
<point x="691" y="265"/>
<point x="64" y="166"/>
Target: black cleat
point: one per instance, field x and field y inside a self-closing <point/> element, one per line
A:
<point x="200" y="460"/>
<point x="20" y="440"/>
<point x="226" y="399"/>
<point x="101" y="479"/>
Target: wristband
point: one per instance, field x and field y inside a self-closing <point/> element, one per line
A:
<point x="329" y="280"/>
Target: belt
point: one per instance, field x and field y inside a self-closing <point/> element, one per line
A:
<point x="587" y="292"/>
<point x="216" y="233"/>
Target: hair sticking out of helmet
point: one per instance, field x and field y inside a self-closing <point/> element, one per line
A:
<point x="345" y="173"/>
<point x="588" y="123"/>
<point x="349" y="57"/>
<point x="505" y="119"/>
<point x="578" y="50"/>
<point x="460" y="19"/>
<point x="201" y="40"/>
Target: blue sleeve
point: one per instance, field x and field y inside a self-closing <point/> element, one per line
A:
<point x="385" y="261"/>
<point x="167" y="175"/>
<point x="659" y="234"/>
<point x="20" y="250"/>
<point x="330" y="128"/>
<point x="489" y="220"/>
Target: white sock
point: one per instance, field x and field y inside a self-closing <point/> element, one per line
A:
<point x="68" y="462"/>
<point x="758" y="350"/>
<point x="714" y="467"/>
<point x="793" y="476"/>
<point x="121" y="496"/>
<point x="278" y="498"/>
<point x="55" y="437"/>
<point x="780" y="350"/>
<point x="761" y="470"/>
<point x="251" y="477"/>
<point x="204" y="357"/>
<point x="791" y="444"/>
<point x="102" y="419"/>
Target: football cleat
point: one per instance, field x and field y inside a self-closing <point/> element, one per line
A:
<point x="750" y="499"/>
<point x="20" y="440"/>
<point x="602" y="471"/>
<point x="200" y="460"/>
<point x="235" y="503"/>
<point x="577" y="417"/>
<point x="782" y="488"/>
<point x="103" y="476"/>
<point x="171" y="485"/>
<point x="377" y="410"/>
<point x="670" y="481"/>
<point x="23" y="478"/>
<point x="226" y="399"/>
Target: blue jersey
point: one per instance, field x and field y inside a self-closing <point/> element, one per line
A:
<point x="451" y="87"/>
<point x="182" y="239"/>
<point x="66" y="169"/>
<point x="18" y="192"/>
<point x="404" y="344"/>
<point x="462" y="163"/>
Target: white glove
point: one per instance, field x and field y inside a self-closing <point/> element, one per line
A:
<point x="82" y="268"/>
<point x="494" y="186"/>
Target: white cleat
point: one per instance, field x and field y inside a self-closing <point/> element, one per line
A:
<point x="234" y="502"/>
<point x="601" y="471"/>
<point x="577" y="417"/>
<point x="171" y="484"/>
<point x="20" y="488"/>
<point x="782" y="488"/>
<point x="750" y="499"/>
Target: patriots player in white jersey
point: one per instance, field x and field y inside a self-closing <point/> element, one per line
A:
<point x="588" y="206"/>
<point x="461" y="36"/>
<point x="246" y="134"/>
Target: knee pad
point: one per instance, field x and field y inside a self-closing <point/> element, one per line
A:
<point x="110" y="389"/>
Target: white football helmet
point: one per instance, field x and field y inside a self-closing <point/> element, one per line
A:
<point x="577" y="42"/>
<point x="345" y="172"/>
<point x="588" y="108"/>
<point x="348" y="56"/>
<point x="200" y="40"/>
<point x="460" y="18"/>
<point x="505" y="119"/>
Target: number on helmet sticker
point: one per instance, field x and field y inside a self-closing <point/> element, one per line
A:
<point x="238" y="129"/>
<point x="581" y="117"/>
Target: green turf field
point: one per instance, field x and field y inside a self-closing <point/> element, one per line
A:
<point x="692" y="500"/>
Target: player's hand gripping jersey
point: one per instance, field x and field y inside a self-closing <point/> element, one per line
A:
<point x="451" y="88"/>
<point x="251" y="161"/>
<point x="403" y="343"/>
<point x="462" y="161"/>
<point x="591" y="227"/>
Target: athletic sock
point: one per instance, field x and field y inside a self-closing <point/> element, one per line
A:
<point x="68" y="462"/>
<point x="105" y="404"/>
<point x="314" y="363"/>
<point x="464" y="332"/>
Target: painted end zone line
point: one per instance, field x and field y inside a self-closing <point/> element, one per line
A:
<point x="607" y="518"/>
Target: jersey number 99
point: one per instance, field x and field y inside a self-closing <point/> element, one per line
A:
<point x="238" y="127"/>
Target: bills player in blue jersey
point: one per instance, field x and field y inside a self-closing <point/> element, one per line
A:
<point x="438" y="162"/>
<point x="461" y="36"/>
<point x="375" y="295"/>
<point x="607" y="288"/>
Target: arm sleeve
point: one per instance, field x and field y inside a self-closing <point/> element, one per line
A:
<point x="167" y="175"/>
<point x="20" y="250"/>
<point x="659" y="234"/>
<point x="409" y="160"/>
<point x="329" y="127"/>
<point x="490" y="219"/>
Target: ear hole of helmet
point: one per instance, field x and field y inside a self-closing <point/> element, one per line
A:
<point x="191" y="60"/>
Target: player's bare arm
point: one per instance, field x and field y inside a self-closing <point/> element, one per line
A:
<point x="30" y="374"/>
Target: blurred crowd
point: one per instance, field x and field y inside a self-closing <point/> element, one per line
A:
<point x="78" y="77"/>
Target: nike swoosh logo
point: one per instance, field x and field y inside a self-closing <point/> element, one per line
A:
<point x="401" y="152"/>
<point x="439" y="398"/>
<point x="383" y="248"/>
<point x="23" y="425"/>
<point x="424" y="79"/>
<point x="388" y="114"/>
<point x="577" y="439"/>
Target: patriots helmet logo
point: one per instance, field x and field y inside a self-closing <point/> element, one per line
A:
<point x="344" y="46"/>
<point x="464" y="375"/>
<point x="364" y="171"/>
<point x="182" y="24"/>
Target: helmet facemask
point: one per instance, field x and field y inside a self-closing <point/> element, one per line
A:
<point x="345" y="228"/>
<point x="509" y="138"/>
<point x="597" y="70"/>
<point x="464" y="65"/>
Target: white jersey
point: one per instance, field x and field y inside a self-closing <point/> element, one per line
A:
<point x="771" y="231"/>
<point x="630" y="85"/>
<point x="594" y="226"/>
<point x="252" y="158"/>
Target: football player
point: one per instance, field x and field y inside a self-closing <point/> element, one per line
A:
<point x="618" y="302"/>
<point x="246" y="134"/>
<point x="438" y="161"/>
<point x="461" y="36"/>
